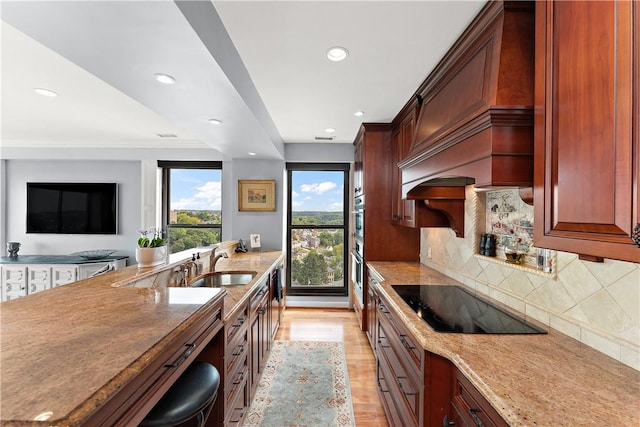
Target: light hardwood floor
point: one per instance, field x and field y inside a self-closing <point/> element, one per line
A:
<point x="320" y="324"/>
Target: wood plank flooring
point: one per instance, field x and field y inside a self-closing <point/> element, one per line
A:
<point x="325" y="324"/>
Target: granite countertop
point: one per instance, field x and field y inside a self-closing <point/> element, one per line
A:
<point x="531" y="380"/>
<point x="62" y="347"/>
<point x="56" y="259"/>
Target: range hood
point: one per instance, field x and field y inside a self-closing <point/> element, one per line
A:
<point x="476" y="120"/>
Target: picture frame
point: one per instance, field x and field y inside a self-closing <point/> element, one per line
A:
<point x="256" y="195"/>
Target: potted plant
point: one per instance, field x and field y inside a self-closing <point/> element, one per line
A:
<point x="151" y="249"/>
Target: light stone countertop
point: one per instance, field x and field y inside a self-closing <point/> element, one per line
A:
<point x="531" y="380"/>
<point x="68" y="349"/>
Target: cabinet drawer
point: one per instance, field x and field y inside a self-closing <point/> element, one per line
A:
<point x="414" y="351"/>
<point x="471" y="408"/>
<point x="402" y="375"/>
<point x="236" y="357"/>
<point x="236" y="395"/>
<point x="237" y="325"/>
<point x="395" y="402"/>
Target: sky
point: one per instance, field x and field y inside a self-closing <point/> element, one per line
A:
<point x="196" y="189"/>
<point x="317" y="191"/>
<point x="201" y="189"/>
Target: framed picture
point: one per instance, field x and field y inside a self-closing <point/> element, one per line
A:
<point x="255" y="240"/>
<point x="256" y="195"/>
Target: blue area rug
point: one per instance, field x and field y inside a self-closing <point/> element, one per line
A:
<point x="304" y="384"/>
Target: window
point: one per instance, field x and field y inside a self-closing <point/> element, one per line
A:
<point x="191" y="201"/>
<point x="317" y="224"/>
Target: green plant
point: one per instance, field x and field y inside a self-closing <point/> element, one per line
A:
<point x="150" y="238"/>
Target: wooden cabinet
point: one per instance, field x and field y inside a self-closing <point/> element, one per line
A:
<point x="236" y="375"/>
<point x="587" y="155"/>
<point x="372" y="318"/>
<point x="402" y="210"/>
<point x="276" y="297"/>
<point x="199" y="341"/>
<point x="469" y="408"/>
<point x="415" y="386"/>
<point x="405" y="212"/>
<point x="396" y="368"/>
<point x="373" y="149"/>
<point x="260" y="331"/>
<point x="358" y="158"/>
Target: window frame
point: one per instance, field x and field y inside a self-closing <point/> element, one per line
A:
<point x="319" y="167"/>
<point x="167" y="166"/>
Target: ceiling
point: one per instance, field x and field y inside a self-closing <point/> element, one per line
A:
<point x="259" y="67"/>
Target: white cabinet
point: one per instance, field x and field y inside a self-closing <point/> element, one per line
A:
<point x="63" y="274"/>
<point x="14" y="282"/>
<point x="38" y="278"/>
<point x="19" y="280"/>
<point x="86" y="270"/>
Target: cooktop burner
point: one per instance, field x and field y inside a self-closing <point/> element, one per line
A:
<point x="453" y="309"/>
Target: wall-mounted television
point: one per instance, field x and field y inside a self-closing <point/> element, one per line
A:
<point x="72" y="208"/>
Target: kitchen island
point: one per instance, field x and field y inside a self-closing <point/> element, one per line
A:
<point x="94" y="352"/>
<point x="530" y="380"/>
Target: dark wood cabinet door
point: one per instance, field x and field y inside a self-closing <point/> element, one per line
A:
<point x="396" y="176"/>
<point x="586" y="127"/>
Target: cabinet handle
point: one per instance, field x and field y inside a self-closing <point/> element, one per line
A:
<point x="478" y="421"/>
<point x="239" y="418"/>
<point x="240" y="348"/>
<point x="262" y="311"/>
<point x="240" y="378"/>
<point x="447" y="422"/>
<point x="399" y="379"/>
<point x="33" y="288"/>
<point x="240" y="322"/>
<point x="183" y="357"/>
<point x="380" y="387"/>
<point x="404" y="342"/>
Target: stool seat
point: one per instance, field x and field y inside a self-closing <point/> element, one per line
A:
<point x="189" y="396"/>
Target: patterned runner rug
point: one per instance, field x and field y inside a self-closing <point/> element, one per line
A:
<point x="304" y="384"/>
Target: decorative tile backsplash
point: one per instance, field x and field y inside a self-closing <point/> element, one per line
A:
<point x="508" y="217"/>
<point x="595" y="303"/>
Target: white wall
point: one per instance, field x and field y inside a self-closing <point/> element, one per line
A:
<point x="126" y="173"/>
<point x="319" y="153"/>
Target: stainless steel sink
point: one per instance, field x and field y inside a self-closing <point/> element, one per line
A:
<point x="224" y="278"/>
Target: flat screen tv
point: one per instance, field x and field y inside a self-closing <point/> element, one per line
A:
<point x="72" y="208"/>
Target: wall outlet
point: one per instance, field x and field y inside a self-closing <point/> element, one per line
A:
<point x="429" y="252"/>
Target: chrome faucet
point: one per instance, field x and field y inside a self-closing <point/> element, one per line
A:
<point x="216" y="258"/>
<point x="187" y="269"/>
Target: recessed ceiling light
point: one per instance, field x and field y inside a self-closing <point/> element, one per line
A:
<point x="215" y="121"/>
<point x="359" y="113"/>
<point x="329" y="130"/>
<point x="251" y="153"/>
<point x="337" y="53"/>
<point x="45" y="92"/>
<point x="165" y="78"/>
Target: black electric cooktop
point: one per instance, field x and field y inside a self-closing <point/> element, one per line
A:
<point x="453" y="309"/>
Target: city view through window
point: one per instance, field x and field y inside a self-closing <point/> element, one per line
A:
<point x="317" y="229"/>
<point x="195" y="215"/>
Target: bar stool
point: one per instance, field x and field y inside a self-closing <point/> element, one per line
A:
<point x="192" y="396"/>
